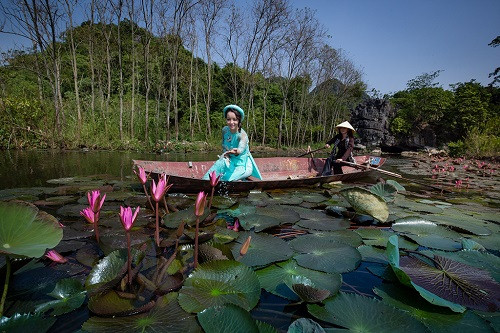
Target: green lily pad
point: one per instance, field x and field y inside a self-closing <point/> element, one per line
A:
<point x="308" y="292"/>
<point x="110" y="269"/>
<point x="305" y="325"/>
<point x="165" y="316"/>
<point x="437" y="319"/>
<point x="70" y="295"/>
<point x="282" y="213"/>
<point x="258" y="222"/>
<point x="462" y="222"/>
<point x="287" y="198"/>
<point x="227" y="319"/>
<point x="416" y="206"/>
<point x="378" y="237"/>
<point x="264" y="249"/>
<point x="421" y="227"/>
<point x="26" y="323"/>
<point x="220" y="282"/>
<point x="372" y="254"/>
<point x="436" y="242"/>
<point x="221" y="202"/>
<point x="325" y="255"/>
<point x="26" y="231"/>
<point x="174" y="219"/>
<point x="278" y="278"/>
<point x="346" y="237"/>
<point x="365" y="202"/>
<point x="385" y="191"/>
<point x="111" y="304"/>
<point x="364" y="314"/>
<point x="396" y="185"/>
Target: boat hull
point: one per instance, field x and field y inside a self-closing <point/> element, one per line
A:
<point x="277" y="173"/>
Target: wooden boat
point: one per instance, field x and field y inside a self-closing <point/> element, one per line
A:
<point x="277" y="173"/>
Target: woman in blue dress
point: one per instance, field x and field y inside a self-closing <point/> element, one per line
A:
<point x="236" y="162"/>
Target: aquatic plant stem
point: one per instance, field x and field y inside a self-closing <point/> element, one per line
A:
<point x="211" y="197"/>
<point x="129" y="258"/>
<point x="96" y="228"/>
<point x="5" y="285"/>
<point x="147" y="196"/>
<point x="157" y="231"/>
<point x="196" y="242"/>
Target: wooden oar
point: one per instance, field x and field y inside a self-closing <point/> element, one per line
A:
<point x="396" y="175"/>
<point x="310" y="152"/>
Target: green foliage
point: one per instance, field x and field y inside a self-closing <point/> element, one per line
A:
<point x="457" y="148"/>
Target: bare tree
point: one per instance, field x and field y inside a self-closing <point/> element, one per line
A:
<point x="209" y="12"/>
<point x="70" y="7"/>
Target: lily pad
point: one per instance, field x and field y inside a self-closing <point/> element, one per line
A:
<point x="365" y="202"/>
<point x="26" y="231"/>
<point x="70" y="295"/>
<point x="165" y="316"/>
<point x="110" y="269"/>
<point x="174" y="219"/>
<point x="437" y="319"/>
<point x="385" y="191"/>
<point x="287" y="198"/>
<point x="454" y="281"/>
<point x="282" y="213"/>
<point x="372" y="254"/>
<point x="415" y="206"/>
<point x="462" y="222"/>
<point x="346" y="237"/>
<point x="378" y="237"/>
<point x="278" y="278"/>
<point x="308" y="292"/>
<point x="325" y="255"/>
<point x="258" y="222"/>
<point x="264" y="249"/>
<point x="421" y="227"/>
<point x="364" y="314"/>
<point x="305" y="325"/>
<point x="227" y="319"/>
<point x="26" y="323"/>
<point x="220" y="282"/>
<point x="111" y="304"/>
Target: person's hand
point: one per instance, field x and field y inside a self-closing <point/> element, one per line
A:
<point x="338" y="160"/>
<point x="327" y="146"/>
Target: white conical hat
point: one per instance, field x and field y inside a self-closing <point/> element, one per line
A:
<point x="346" y="124"/>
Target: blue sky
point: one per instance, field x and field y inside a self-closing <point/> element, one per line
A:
<point x="393" y="41"/>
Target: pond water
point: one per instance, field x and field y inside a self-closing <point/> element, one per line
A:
<point x="305" y="243"/>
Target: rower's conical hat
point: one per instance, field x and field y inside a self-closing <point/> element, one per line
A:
<point x="346" y="124"/>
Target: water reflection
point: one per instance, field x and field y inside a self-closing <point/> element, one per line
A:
<point x="34" y="168"/>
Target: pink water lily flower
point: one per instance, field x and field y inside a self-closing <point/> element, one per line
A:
<point x="159" y="190"/>
<point x="127" y="218"/>
<point x="89" y="215"/>
<point x="141" y="175"/>
<point x="199" y="206"/>
<point x="214" y="179"/>
<point x="56" y="257"/>
<point x="95" y="200"/>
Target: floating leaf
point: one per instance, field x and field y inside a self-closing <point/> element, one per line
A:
<point x="378" y="237"/>
<point x="421" y="227"/>
<point x="396" y="185"/>
<point x="110" y="269"/>
<point x="165" y="316"/>
<point x="462" y="222"/>
<point x="305" y="325"/>
<point x="258" y="222"/>
<point x="309" y="293"/>
<point x="220" y="282"/>
<point x="364" y="314"/>
<point x="416" y="206"/>
<point x="26" y="323"/>
<point x="111" y="304"/>
<point x="392" y="252"/>
<point x="454" y="281"/>
<point x="385" y="191"/>
<point x="326" y="256"/>
<point x="365" y="202"/>
<point x="277" y="278"/>
<point x="174" y="219"/>
<point x="264" y="249"/>
<point x="26" y="231"/>
<point x="282" y="213"/>
<point x="70" y="295"/>
<point x="227" y="319"/>
<point x="437" y="319"/>
<point x="372" y="254"/>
